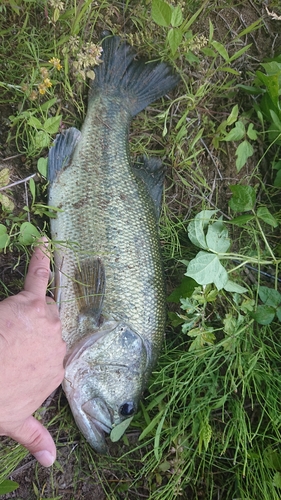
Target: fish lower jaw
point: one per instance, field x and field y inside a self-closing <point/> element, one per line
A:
<point x="101" y="427"/>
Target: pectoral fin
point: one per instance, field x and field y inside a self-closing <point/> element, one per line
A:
<point x="152" y="173"/>
<point x="89" y="287"/>
<point x="61" y="152"/>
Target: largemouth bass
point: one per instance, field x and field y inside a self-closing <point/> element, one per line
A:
<point x="108" y="268"/>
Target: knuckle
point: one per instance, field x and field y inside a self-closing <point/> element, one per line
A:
<point x="34" y="440"/>
<point x="42" y="273"/>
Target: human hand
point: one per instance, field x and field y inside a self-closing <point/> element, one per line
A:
<point x="31" y="359"/>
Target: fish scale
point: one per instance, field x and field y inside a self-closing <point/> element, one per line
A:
<point x="108" y="266"/>
<point x="118" y="209"/>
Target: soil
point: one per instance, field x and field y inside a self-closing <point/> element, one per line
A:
<point x="69" y="479"/>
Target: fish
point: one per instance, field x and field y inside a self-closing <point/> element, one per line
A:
<point x="108" y="268"/>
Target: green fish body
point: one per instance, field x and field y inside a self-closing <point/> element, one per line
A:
<point x="108" y="268"/>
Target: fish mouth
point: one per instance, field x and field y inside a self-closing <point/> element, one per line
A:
<point x="94" y="420"/>
<point x="98" y="415"/>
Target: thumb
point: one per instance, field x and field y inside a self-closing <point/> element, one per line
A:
<point x="33" y="436"/>
<point x="36" y="280"/>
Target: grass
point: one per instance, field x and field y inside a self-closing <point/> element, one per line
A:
<point x="209" y="424"/>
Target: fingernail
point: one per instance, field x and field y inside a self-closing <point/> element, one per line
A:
<point x="45" y="458"/>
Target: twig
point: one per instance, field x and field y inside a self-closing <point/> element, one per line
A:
<point x="18" y="182"/>
<point x="12" y="157"/>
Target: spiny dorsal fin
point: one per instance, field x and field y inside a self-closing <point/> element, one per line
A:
<point x="61" y="152"/>
<point x="89" y="287"/>
<point x="152" y="173"/>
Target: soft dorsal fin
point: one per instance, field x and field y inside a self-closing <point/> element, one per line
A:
<point x="152" y="173"/>
<point x="61" y="152"/>
<point x="89" y="287"/>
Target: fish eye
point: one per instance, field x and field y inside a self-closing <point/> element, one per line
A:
<point x="127" y="409"/>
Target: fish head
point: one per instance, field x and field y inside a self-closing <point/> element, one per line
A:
<point x="104" y="380"/>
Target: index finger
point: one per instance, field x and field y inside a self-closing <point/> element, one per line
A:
<point x="36" y="280"/>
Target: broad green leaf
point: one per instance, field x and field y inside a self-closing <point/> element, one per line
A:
<point x="272" y="84"/>
<point x="242" y="220"/>
<point x="243" y="198"/>
<point x="3" y="229"/>
<point x="264" y="214"/>
<point x="41" y="140"/>
<point x="206" y="268"/>
<point x="277" y="479"/>
<point x="243" y="152"/>
<point x="221" y="50"/>
<point x="4" y="237"/>
<point x="35" y="123"/>
<point x="276" y="120"/>
<point x="247" y="305"/>
<point x="233" y="115"/>
<point x="175" y="319"/>
<point x="32" y="188"/>
<point x="28" y="233"/>
<point x="233" y="287"/>
<point x="276" y="165"/>
<point x="164" y="466"/>
<point x="7" y="486"/>
<point x="161" y="13"/>
<point x="220" y="402"/>
<point x="188" y="305"/>
<point x="4" y="177"/>
<point x="196" y="228"/>
<point x="202" y="336"/>
<point x="264" y="315"/>
<point x="174" y="38"/>
<point x="47" y="105"/>
<point x="272" y="68"/>
<point x="185" y="289"/>
<point x="230" y="324"/>
<point x="251" y="132"/>
<point x="42" y="166"/>
<point x="278" y="313"/>
<point x="274" y="134"/>
<point x="51" y="125"/>
<point x="191" y="58"/>
<point x="269" y="296"/>
<point x="237" y="133"/>
<point x="277" y="180"/>
<point x="272" y="458"/>
<point x="208" y="52"/>
<point x="182" y="133"/>
<point x="118" y="431"/>
<point x="177" y="18"/>
<point x="217" y="237"/>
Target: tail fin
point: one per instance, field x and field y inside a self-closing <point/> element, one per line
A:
<point x="138" y="82"/>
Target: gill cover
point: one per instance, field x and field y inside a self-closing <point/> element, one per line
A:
<point x="104" y="380"/>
